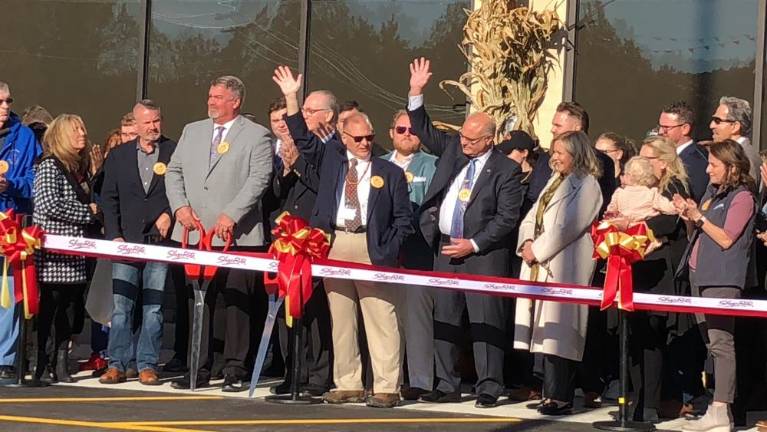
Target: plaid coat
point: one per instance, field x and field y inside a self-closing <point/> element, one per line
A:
<point x="59" y="209"/>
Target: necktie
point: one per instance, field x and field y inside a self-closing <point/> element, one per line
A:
<point x="456" y="228"/>
<point x="214" y="144"/>
<point x="352" y="201"/>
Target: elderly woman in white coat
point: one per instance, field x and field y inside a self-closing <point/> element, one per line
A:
<point x="555" y="245"/>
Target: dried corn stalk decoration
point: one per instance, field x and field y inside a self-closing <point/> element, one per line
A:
<point x="508" y="48"/>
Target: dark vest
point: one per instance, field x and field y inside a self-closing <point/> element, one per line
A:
<point x="715" y="266"/>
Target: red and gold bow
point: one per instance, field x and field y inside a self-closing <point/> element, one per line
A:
<point x="295" y="245"/>
<point x="621" y="249"/>
<point x="18" y="245"/>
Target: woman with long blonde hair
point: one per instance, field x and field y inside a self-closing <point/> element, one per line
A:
<point x="62" y="207"/>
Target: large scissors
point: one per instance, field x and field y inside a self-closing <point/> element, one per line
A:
<point x="200" y="278"/>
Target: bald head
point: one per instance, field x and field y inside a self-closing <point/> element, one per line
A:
<point x="477" y="134"/>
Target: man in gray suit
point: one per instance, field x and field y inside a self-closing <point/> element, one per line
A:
<point x="732" y="120"/>
<point x="218" y="174"/>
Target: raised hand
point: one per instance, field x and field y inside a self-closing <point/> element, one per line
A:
<point x="419" y="75"/>
<point x="285" y="80"/>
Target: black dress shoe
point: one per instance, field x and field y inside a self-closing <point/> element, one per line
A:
<point x="7" y="373"/>
<point x="185" y="384"/>
<point x="313" y="390"/>
<point x="551" y="408"/>
<point x="175" y="365"/>
<point x="232" y="384"/>
<point x="282" y="388"/>
<point x="440" y="397"/>
<point x="412" y="393"/>
<point x="486" y="401"/>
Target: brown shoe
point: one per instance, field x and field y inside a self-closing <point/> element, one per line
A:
<point x="590" y="400"/>
<point x="148" y="376"/>
<point x="524" y="394"/>
<point x="112" y="376"/>
<point x="383" y="400"/>
<point x="344" y="396"/>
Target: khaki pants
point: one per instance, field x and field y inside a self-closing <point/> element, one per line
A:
<point x="378" y="310"/>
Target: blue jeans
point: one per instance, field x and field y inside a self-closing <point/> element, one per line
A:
<point x="127" y="279"/>
<point x="9" y="328"/>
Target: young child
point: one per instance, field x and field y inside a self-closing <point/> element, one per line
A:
<point x="639" y="198"/>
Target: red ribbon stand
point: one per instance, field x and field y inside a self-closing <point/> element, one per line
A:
<point x="18" y="246"/>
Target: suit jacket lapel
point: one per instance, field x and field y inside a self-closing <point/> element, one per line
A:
<point x="133" y="165"/>
<point x="570" y="184"/>
<point x="374" y="191"/>
<point x="162" y="157"/>
<point x="230" y="138"/>
<point x="484" y="176"/>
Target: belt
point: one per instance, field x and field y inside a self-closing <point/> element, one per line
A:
<point x="359" y="230"/>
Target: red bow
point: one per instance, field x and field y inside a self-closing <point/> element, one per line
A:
<point x="621" y="249"/>
<point x="18" y="245"/>
<point x="295" y="245"/>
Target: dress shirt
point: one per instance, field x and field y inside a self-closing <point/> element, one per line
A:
<point x="682" y="147"/>
<point x="414" y="102"/>
<point x="451" y="198"/>
<point x="226" y="126"/>
<point x="146" y="163"/>
<point x="404" y="164"/>
<point x="363" y="192"/>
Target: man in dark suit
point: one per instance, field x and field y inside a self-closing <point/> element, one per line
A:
<point x="136" y="210"/>
<point x="467" y="217"/>
<point x="363" y="203"/>
<point x="675" y="123"/>
<point x="295" y="184"/>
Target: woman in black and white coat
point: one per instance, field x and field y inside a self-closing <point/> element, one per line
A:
<point x="62" y="207"/>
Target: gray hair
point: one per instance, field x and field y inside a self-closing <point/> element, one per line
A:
<point x="358" y="117"/>
<point x="332" y="101"/>
<point x="148" y="104"/>
<point x="739" y="110"/>
<point x="4" y="87"/>
<point x="233" y="84"/>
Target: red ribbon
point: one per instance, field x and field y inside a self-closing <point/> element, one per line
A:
<point x="295" y="246"/>
<point x="18" y="245"/>
<point x="621" y="249"/>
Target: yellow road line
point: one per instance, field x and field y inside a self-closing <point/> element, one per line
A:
<point x="110" y="399"/>
<point x="328" y="421"/>
<point x="92" y="424"/>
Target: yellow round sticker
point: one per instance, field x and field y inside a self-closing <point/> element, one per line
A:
<point x="4" y="167"/>
<point x="222" y="148"/>
<point x="377" y="182"/>
<point x="409" y="176"/>
<point x="159" y="168"/>
<point x="706" y="204"/>
<point x="464" y="195"/>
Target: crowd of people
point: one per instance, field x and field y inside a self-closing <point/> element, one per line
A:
<point x="453" y="203"/>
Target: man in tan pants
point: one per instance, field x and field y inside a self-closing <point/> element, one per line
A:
<point x="363" y="202"/>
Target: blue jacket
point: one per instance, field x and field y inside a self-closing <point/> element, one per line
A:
<point x="20" y="149"/>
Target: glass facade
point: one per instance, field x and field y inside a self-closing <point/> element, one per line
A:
<point x="635" y="56"/>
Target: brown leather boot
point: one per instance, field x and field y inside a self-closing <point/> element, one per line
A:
<point x="148" y="376"/>
<point x="383" y="400"/>
<point x="112" y="376"/>
<point x="344" y="396"/>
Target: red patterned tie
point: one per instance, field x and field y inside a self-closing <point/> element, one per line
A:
<point x="352" y="201"/>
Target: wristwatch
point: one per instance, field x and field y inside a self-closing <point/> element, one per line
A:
<point x="699" y="223"/>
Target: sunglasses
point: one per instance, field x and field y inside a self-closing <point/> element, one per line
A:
<point x="358" y="139"/>
<point x="402" y="129"/>
<point x="718" y="120"/>
<point x="8" y="101"/>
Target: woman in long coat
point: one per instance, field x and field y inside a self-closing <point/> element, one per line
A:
<point x="555" y="245"/>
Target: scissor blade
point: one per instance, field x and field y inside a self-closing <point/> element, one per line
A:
<point x="197" y="318"/>
<point x="271" y="316"/>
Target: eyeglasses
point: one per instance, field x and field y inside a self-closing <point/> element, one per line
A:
<point x="669" y="127"/>
<point x="473" y="140"/>
<point x="718" y="120"/>
<point x="6" y="100"/>
<point x="401" y="130"/>
<point x="358" y="139"/>
<point x="310" y="112"/>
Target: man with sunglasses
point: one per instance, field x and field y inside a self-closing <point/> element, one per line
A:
<point x="467" y="217"/>
<point x="363" y="203"/>
<point x="732" y="120"/>
<point x="416" y="307"/>
<point x="676" y="123"/>
<point x="18" y="151"/>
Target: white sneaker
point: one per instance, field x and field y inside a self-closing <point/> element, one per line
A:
<point x="717" y="419"/>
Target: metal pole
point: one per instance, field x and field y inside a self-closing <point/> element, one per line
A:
<point x="304" y="45"/>
<point x="759" y="63"/>
<point x="142" y="70"/>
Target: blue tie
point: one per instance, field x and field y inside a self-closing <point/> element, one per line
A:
<point x="456" y="228"/>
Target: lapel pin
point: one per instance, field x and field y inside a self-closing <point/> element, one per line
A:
<point x="159" y="168"/>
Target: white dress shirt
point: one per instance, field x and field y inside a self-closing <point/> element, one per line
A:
<point x="227" y="126"/>
<point x="363" y="192"/>
<point x="414" y="102"/>
<point x="451" y="199"/>
<point x="681" y="148"/>
<point x="405" y="163"/>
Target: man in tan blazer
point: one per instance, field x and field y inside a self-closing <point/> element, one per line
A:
<point x="220" y="170"/>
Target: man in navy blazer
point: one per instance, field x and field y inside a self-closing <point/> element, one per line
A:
<point x="363" y="203"/>
<point x="136" y="210"/>
<point x="468" y="216"/>
<point x="675" y="123"/>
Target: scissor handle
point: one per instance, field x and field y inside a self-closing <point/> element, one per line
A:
<point x="210" y="271"/>
<point x="185" y="235"/>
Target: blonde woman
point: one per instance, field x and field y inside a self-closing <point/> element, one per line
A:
<point x="655" y="275"/>
<point x="61" y="207"/>
<point x="555" y="245"/>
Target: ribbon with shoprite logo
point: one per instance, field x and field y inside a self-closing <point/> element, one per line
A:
<point x="18" y="246"/>
<point x="621" y="249"/>
<point x="295" y="246"/>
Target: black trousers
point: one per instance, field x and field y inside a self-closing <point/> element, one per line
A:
<point x="487" y="326"/>
<point x="177" y="280"/>
<point x="559" y="378"/>
<point x="317" y="346"/>
<point x="647" y="345"/>
<point x="56" y="300"/>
